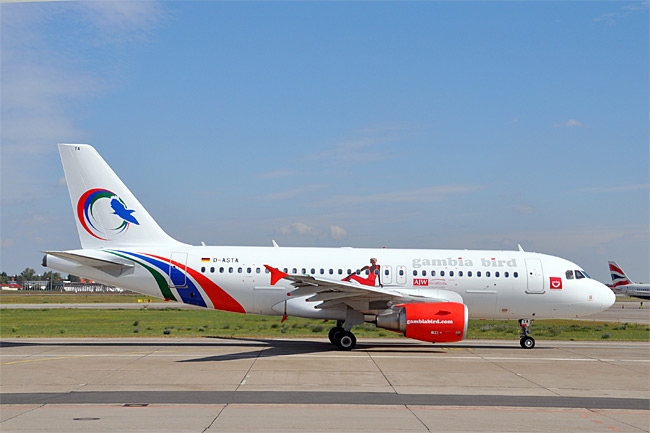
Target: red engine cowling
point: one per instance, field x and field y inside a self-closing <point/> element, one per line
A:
<point x="437" y="322"/>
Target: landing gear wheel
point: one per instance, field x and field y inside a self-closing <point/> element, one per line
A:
<point x="345" y="340"/>
<point x="333" y="333"/>
<point x="527" y="342"/>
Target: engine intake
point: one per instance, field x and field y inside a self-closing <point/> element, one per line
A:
<point x="437" y="322"/>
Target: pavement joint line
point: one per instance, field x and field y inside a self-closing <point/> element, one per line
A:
<point x="31" y="409"/>
<point x="494" y="358"/>
<point x="247" y="374"/>
<point x="611" y="418"/>
<point x="388" y="382"/>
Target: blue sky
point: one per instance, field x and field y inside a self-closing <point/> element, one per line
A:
<point x="368" y="124"/>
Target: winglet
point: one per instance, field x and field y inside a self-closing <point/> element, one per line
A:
<point x="276" y="274"/>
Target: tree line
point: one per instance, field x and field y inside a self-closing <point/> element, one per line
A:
<point x="29" y="274"/>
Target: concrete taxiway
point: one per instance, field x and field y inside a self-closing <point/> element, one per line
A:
<point x="212" y="384"/>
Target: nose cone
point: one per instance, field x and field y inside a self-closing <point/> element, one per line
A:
<point x="604" y="296"/>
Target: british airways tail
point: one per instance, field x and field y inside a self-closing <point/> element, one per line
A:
<point x="106" y="212"/>
<point x="619" y="278"/>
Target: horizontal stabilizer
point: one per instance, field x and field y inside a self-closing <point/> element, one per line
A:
<point x="111" y="267"/>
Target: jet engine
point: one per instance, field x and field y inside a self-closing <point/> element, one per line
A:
<point x="437" y="322"/>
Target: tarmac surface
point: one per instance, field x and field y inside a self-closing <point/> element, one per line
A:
<point x="385" y="385"/>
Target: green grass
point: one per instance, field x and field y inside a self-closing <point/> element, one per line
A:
<point x="201" y="323"/>
<point x="39" y="297"/>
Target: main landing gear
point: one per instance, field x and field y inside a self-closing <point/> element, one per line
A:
<point x="525" y="340"/>
<point x="342" y="339"/>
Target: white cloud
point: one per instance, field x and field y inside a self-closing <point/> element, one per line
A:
<point x="297" y="227"/>
<point x="337" y="232"/>
<point x="364" y="146"/>
<point x="610" y="189"/>
<point x="571" y="123"/>
<point x="611" y="18"/>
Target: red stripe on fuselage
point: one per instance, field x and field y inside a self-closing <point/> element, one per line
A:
<point x="219" y="297"/>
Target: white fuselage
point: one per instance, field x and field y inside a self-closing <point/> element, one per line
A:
<point x="636" y="290"/>
<point x="493" y="284"/>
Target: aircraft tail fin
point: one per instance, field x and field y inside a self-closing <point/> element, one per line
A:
<point x="106" y="212"/>
<point x="619" y="278"/>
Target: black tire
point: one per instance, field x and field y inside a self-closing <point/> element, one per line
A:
<point x="527" y="342"/>
<point x="333" y="333"/>
<point x="345" y="340"/>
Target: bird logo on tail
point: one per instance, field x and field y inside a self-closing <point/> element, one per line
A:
<point x="95" y="214"/>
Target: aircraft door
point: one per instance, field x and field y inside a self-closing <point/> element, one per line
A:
<point x="400" y="278"/>
<point x="535" y="276"/>
<point x="177" y="268"/>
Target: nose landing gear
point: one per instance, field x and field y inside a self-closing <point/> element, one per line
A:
<point x="525" y="340"/>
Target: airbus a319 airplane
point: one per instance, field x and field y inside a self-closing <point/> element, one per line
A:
<point x="427" y="295"/>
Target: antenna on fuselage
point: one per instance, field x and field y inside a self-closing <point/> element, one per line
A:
<point x="520" y="248"/>
<point x="275" y="244"/>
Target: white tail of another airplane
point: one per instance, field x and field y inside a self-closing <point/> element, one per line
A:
<point x="106" y="212"/>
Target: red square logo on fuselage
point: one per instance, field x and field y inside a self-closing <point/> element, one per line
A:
<point x="556" y="283"/>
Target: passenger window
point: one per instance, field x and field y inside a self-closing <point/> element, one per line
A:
<point x="331" y="271"/>
<point x="212" y="270"/>
<point x="239" y="270"/>
<point x="340" y="271"/>
<point x="451" y="273"/>
<point x="506" y="274"/>
<point x="286" y="271"/>
<point x="442" y="273"/>
<point x="496" y="274"/>
<point x="487" y="274"/>
<point x="230" y="270"/>
<point x="266" y="271"/>
<point x="424" y="273"/>
<point x="516" y="274"/>
<point x="460" y="273"/>
<point x="569" y="275"/>
<point x="313" y="271"/>
<point x="349" y="271"/>
<point x="202" y="268"/>
<point x="249" y="270"/>
<point x="294" y="271"/>
<point x="221" y="269"/>
<point x="415" y="273"/>
<point x="322" y="271"/>
<point x="401" y="272"/>
<point x="433" y="273"/>
<point x="579" y="275"/>
<point x="385" y="271"/>
<point x="469" y="273"/>
<point x="478" y="273"/>
<point x="257" y="270"/>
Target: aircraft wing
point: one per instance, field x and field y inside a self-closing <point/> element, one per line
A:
<point x="333" y="292"/>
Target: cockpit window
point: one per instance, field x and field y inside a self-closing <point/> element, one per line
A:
<point x="569" y="275"/>
<point x="579" y="275"/>
<point x="585" y="274"/>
